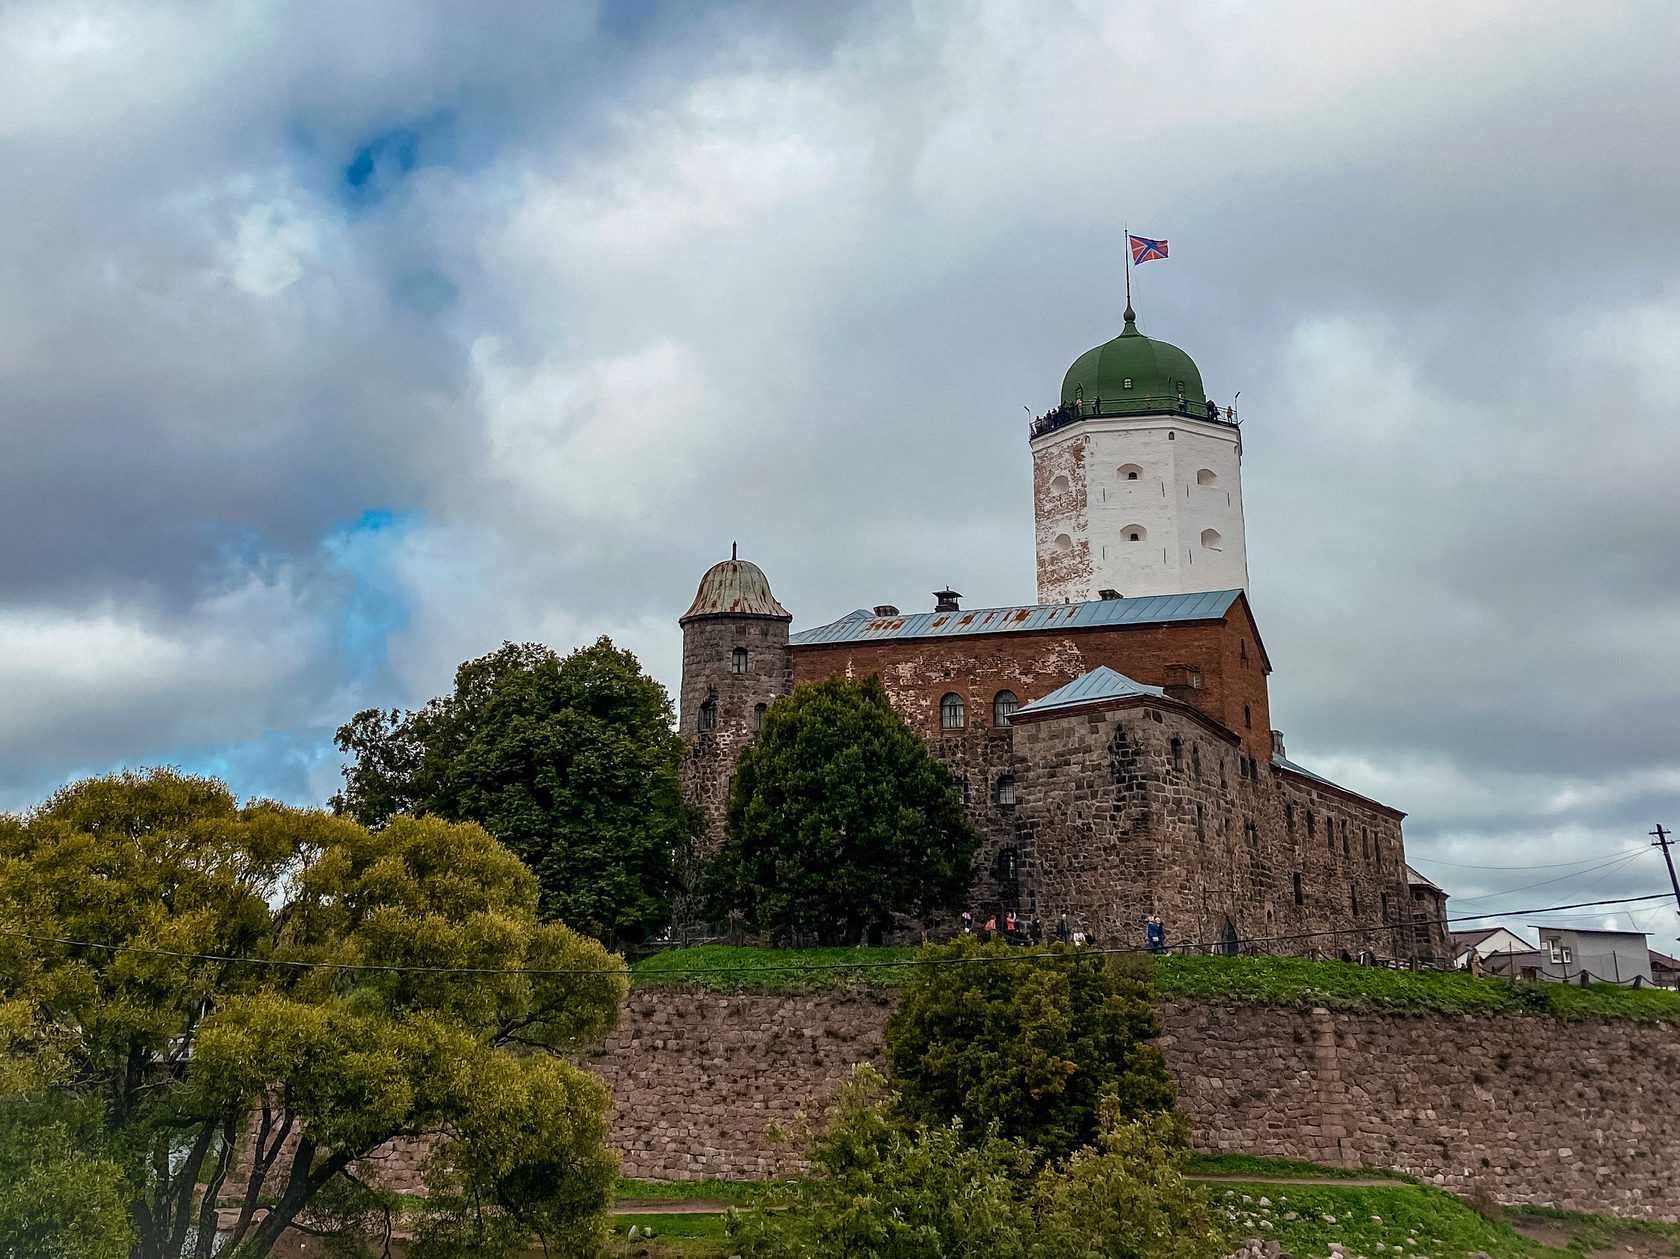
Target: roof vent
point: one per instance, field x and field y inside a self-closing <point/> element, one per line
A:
<point x="885" y="609"/>
<point x="1106" y="593"/>
<point x="947" y="601"/>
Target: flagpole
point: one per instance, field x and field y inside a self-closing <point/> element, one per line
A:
<point x="1126" y="245"/>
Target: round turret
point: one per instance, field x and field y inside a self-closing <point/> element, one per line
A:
<point x="1135" y="373"/>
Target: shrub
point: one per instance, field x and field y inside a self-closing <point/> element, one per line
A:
<point x="1031" y="1042"/>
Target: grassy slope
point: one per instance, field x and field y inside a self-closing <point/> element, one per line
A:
<point x="1264" y="980"/>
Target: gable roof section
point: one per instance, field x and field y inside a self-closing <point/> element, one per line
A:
<point x="1101" y="683"/>
<point x="1417" y="879"/>
<point x="1284" y="763"/>
<point x="1210" y="605"/>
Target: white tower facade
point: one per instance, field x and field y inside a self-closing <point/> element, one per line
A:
<point x="1137" y="479"/>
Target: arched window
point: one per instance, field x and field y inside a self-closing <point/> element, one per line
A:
<point x="1129" y="471"/>
<point x="1134" y="533"/>
<point x="1205" y="476"/>
<point x="708" y="715"/>
<point x="758" y="717"/>
<point x="1006" y="866"/>
<point x="1059" y="485"/>
<point x="738" y="660"/>
<point x="953" y="712"/>
<point x="1064" y="544"/>
<point x="1004" y="705"/>
<point x="1210" y="539"/>
<point x="1126" y="383"/>
<point x="1177" y="753"/>
<point x="1196" y="760"/>
<point x="1004" y="791"/>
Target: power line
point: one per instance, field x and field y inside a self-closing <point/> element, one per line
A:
<point x="796" y="967"/>
<point x="1562" y="878"/>
<point x="1555" y="865"/>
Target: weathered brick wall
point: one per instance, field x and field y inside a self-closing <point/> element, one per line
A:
<point x="916" y="672"/>
<point x="1534" y="1110"/>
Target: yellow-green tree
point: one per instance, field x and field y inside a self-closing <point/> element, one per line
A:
<point x="240" y="1003"/>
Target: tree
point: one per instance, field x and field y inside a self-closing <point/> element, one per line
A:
<point x="1031" y="1042"/>
<point x="572" y="763"/>
<point x="894" y="1190"/>
<point x="246" y="1002"/>
<point x="839" y="817"/>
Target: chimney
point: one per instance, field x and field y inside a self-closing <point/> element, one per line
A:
<point x="885" y="609"/>
<point x="1106" y="593"/>
<point x="1183" y="681"/>
<point x="947" y="601"/>
<point x="1277" y="743"/>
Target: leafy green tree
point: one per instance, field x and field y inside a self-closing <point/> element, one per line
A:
<point x="571" y="762"/>
<point x="244" y="1002"/>
<point x="55" y="1198"/>
<point x="894" y="1190"/>
<point x="1030" y="1042"/>
<point x="840" y="818"/>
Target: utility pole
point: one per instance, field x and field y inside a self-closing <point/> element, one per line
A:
<point x="1663" y="841"/>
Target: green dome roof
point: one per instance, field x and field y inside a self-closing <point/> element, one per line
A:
<point x="1135" y="373"/>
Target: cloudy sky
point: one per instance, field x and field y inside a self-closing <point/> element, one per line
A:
<point x="341" y="342"/>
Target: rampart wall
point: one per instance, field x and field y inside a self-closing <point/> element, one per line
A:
<point x="1523" y="1109"/>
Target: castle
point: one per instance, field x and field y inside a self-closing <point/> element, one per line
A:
<point x="1113" y="740"/>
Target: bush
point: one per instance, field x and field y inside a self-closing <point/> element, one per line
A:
<point x="1029" y="1041"/>
<point x="894" y="1190"/>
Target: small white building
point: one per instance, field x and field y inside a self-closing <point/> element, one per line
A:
<point x="1491" y="945"/>
<point x="1609" y="957"/>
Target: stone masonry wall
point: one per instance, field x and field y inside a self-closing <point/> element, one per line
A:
<point x="1529" y="1110"/>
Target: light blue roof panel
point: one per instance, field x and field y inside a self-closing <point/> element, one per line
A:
<point x="1209" y="605"/>
<point x="1099" y="684"/>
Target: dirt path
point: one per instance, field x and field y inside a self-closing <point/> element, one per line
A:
<point x="670" y="1206"/>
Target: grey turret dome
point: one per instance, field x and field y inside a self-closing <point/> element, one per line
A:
<point x="735" y="587"/>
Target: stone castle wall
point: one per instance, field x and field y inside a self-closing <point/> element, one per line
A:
<point x="1526" y="1110"/>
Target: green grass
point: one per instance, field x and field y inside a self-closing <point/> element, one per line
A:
<point x="1289" y="981"/>
<point x="676" y="1236"/>
<point x="1422" y="1221"/>
<point x="723" y="968"/>
<point x="1342" y="986"/>
<point x="1596" y="1232"/>
<point x="1254" y="1165"/>
<point x="731" y="1191"/>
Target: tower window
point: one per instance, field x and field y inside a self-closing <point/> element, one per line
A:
<point x="1210" y="539"/>
<point x="708" y="715"/>
<point x="1135" y="533"/>
<point x="1064" y="544"/>
<point x="953" y="712"/>
<point x="758" y="718"/>
<point x="1248" y="717"/>
<point x="1196" y="760"/>
<point x="1059" y="485"/>
<point x="1126" y="383"/>
<point x="1004" y="792"/>
<point x="1205" y="476"/>
<point x="1300" y="892"/>
<point x="1004" y="705"/>
<point x="1178" y="754"/>
<point x="738" y="660"/>
<point x="1129" y="471"/>
<point x="1289" y="816"/>
<point x="1172" y="437"/>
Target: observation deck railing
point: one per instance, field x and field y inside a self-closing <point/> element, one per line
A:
<point x="1100" y="408"/>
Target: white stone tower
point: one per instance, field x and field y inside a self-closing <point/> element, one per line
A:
<point x="1137" y="480"/>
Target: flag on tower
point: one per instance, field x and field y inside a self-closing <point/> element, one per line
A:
<point x="1146" y="250"/>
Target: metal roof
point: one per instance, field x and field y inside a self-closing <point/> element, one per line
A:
<point x="1209" y="605"/>
<point x="735" y="587"/>
<point x="1418" y="879"/>
<point x="1099" y="684"/>
<point x="1283" y="762"/>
